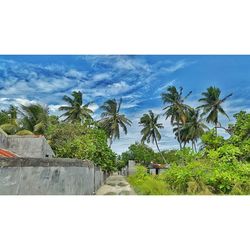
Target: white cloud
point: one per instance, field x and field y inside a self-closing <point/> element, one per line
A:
<point x="75" y="73"/>
<point x="54" y="108"/>
<point x="25" y="102"/>
<point x="93" y="107"/>
<point x="164" y="87"/>
<point x="101" y="76"/>
<point x="129" y="105"/>
<point x="118" y="88"/>
<point x="131" y="64"/>
<point x="177" y="65"/>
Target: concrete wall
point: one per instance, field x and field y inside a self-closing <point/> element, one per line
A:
<point x="47" y="176"/>
<point x="26" y="146"/>
<point x="3" y="139"/>
<point x="131" y="167"/>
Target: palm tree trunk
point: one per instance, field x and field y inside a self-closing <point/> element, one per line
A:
<point x="110" y="141"/>
<point x="194" y="146"/>
<point x="160" y="151"/>
<point x="216" y="123"/>
<point x="179" y="134"/>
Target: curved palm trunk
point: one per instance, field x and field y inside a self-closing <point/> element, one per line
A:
<point x="160" y="151"/>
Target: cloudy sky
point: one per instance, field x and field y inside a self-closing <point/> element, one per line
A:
<point x="139" y="80"/>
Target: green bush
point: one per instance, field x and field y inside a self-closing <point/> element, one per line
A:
<point x="146" y="184"/>
<point x="82" y="142"/>
<point x="200" y="177"/>
<point x="24" y="132"/>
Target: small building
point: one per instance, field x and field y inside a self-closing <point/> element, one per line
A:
<point x="31" y="146"/>
<point x="156" y="168"/>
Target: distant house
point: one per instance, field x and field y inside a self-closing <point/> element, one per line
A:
<point x="31" y="146"/>
<point x="155" y="168"/>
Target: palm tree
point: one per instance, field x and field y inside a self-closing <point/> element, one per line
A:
<point x="76" y="111"/>
<point x="176" y="109"/>
<point x="150" y="132"/>
<point x="34" y="118"/>
<point x="212" y="105"/>
<point x="195" y="127"/>
<point x="112" y="120"/>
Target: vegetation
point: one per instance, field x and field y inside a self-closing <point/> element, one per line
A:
<point x="176" y="109"/>
<point x="112" y="120"/>
<point x="206" y="162"/>
<point x="221" y="167"/>
<point x="73" y="140"/>
<point x="150" y="132"/>
<point x="35" y="118"/>
<point x="76" y="111"/>
<point x="212" y="105"/>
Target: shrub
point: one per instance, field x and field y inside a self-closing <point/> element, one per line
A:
<point x="24" y="132"/>
<point x="201" y="177"/>
<point x="146" y="184"/>
<point x="82" y="142"/>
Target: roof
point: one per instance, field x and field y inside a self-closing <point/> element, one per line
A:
<point x="7" y="154"/>
<point x="157" y="166"/>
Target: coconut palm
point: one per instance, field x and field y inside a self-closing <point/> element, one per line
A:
<point x="76" y="111"/>
<point x="112" y="119"/>
<point x="34" y="118"/>
<point x="150" y="132"/>
<point x="176" y="109"/>
<point x="194" y="127"/>
<point x="212" y="105"/>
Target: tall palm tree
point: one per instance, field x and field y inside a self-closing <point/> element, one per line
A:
<point x="34" y="118"/>
<point x="150" y="132"/>
<point x="76" y="111"/>
<point x="112" y="120"/>
<point x="212" y="105"/>
<point x="176" y="109"/>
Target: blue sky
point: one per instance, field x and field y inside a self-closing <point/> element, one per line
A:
<point x="139" y="80"/>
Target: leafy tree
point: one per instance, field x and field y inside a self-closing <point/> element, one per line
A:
<point x="212" y="105"/>
<point x="76" y="111"/>
<point x="242" y="126"/>
<point x="210" y="140"/>
<point x="240" y="134"/>
<point x="176" y="109"/>
<point x="82" y="142"/>
<point x="140" y="153"/>
<point x="150" y="132"/>
<point x="112" y="120"/>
